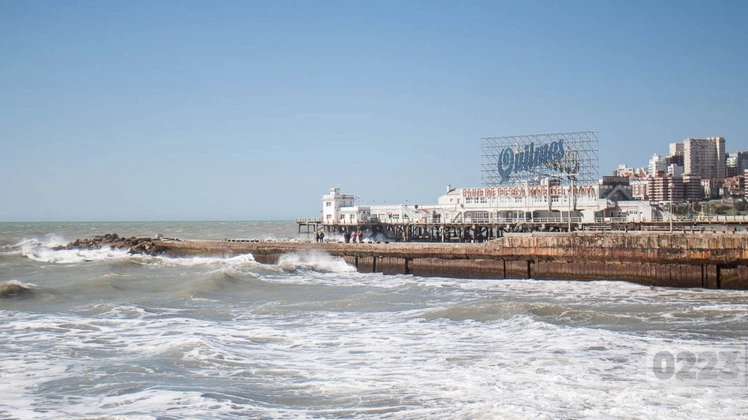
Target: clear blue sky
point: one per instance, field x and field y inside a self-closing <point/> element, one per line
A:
<point x="197" y="110"/>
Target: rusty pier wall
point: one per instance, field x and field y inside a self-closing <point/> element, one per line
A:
<point x="704" y="260"/>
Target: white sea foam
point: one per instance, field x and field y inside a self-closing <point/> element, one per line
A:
<point x="73" y="256"/>
<point x="336" y="364"/>
<point x="314" y="260"/>
<point x="42" y="250"/>
<point x="236" y="261"/>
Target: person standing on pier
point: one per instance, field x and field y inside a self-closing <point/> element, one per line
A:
<point x="361" y="236"/>
<point x="347" y="236"/>
<point x="322" y="237"/>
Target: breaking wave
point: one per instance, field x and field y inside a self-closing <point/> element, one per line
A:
<point x="237" y="261"/>
<point x="316" y="261"/>
<point x="43" y="250"/>
<point x="16" y="289"/>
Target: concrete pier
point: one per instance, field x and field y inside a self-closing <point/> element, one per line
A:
<point x="705" y="260"/>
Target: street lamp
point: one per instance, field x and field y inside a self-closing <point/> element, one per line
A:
<point x="571" y="199"/>
<point x="672" y="187"/>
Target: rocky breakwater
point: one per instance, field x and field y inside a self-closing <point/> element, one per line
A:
<point x="133" y="244"/>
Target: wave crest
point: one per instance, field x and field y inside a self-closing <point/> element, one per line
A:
<point x="237" y="261"/>
<point x="16" y="289"/>
<point x="44" y="250"/>
<point x="316" y="261"/>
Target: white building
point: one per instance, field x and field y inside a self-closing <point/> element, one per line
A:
<point x="339" y="208"/>
<point x="623" y="170"/>
<point x="545" y="202"/>
<point x="674" y="170"/>
<point x="657" y="163"/>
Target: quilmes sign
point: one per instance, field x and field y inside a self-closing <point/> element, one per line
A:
<point x="547" y="155"/>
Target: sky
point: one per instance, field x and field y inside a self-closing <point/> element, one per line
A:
<point x="252" y="110"/>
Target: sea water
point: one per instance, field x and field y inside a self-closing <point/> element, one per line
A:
<point x="105" y="334"/>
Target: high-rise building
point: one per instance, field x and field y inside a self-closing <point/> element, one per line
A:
<point x="692" y="188"/>
<point x="665" y="188"/>
<point x="674" y="160"/>
<point x="676" y="149"/>
<point x="741" y="159"/>
<point x="705" y="158"/>
<point x="656" y="164"/>
<point x="731" y="166"/>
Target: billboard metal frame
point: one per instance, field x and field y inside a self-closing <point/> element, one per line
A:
<point x="527" y="159"/>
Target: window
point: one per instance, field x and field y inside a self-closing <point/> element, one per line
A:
<point x="483" y="200"/>
<point x="328" y="203"/>
<point x="351" y="216"/>
<point x="329" y="217"/>
<point x="342" y="217"/>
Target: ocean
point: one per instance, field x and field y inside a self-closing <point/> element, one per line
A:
<point x="104" y="334"/>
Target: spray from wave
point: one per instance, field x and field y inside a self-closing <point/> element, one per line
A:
<point x="46" y="250"/>
<point x="48" y="241"/>
<point x="314" y="260"/>
<point x="237" y="261"/>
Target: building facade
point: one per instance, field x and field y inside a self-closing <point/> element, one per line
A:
<point x="656" y="164"/>
<point x="665" y="187"/>
<point x="705" y="158"/>
<point x="676" y="149"/>
<point x="737" y="163"/>
<point x="692" y="189"/>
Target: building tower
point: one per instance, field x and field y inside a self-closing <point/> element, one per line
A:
<point x="676" y="149"/>
<point x="656" y="164"/>
<point x="705" y="158"/>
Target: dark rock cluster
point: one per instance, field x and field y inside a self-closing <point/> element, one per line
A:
<point x="134" y="244"/>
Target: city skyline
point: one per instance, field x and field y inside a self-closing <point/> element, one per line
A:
<point x="239" y="111"/>
<point x="674" y="150"/>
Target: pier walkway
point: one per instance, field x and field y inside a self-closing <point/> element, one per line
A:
<point x="678" y="259"/>
<point x="478" y="229"/>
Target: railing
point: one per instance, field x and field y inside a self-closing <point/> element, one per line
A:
<point x="510" y="220"/>
<point x="352" y="222"/>
<point x="308" y="220"/>
<point x="703" y="219"/>
<point x="598" y="228"/>
<point x="560" y="219"/>
<point x="616" y="219"/>
<point x="724" y="218"/>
